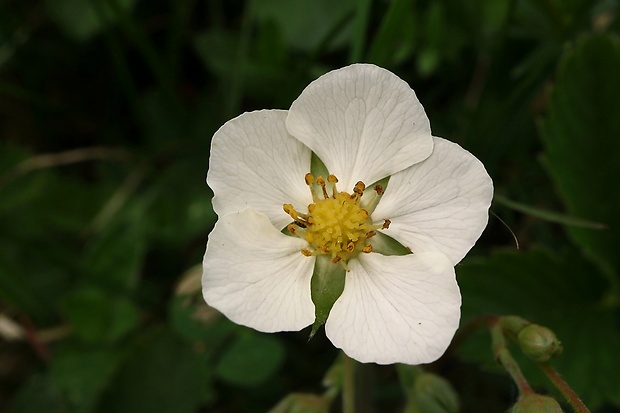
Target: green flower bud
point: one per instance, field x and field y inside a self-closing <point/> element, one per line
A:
<point x="536" y="403"/>
<point x="302" y="403"/>
<point x="433" y="394"/>
<point x="539" y="343"/>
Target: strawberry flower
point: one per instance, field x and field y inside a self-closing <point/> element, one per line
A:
<point x="347" y="191"/>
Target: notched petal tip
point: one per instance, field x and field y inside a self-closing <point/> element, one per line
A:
<point x="364" y="122"/>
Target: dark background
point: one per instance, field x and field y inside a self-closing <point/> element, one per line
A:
<point x="107" y="108"/>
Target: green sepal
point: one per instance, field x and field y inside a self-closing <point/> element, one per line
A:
<point x="386" y="245"/>
<point x="326" y="286"/>
<point x="317" y="167"/>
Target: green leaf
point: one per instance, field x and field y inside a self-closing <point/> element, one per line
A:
<point x="582" y="146"/>
<point x="432" y="393"/>
<point x="396" y="35"/>
<point x="304" y="24"/>
<point x="258" y="75"/>
<point x="80" y="375"/>
<point x="96" y="316"/>
<point x="326" y="286"/>
<point x="38" y="395"/>
<point x="360" y="27"/>
<point x="302" y="403"/>
<point x="563" y="293"/>
<point x="163" y="374"/>
<point x="197" y="321"/>
<point x="82" y="19"/>
<point x="250" y="360"/>
<point x="114" y="257"/>
<point x="434" y="39"/>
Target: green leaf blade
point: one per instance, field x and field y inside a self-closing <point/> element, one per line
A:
<point x="582" y="146"/>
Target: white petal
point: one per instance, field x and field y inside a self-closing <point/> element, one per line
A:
<point x="396" y="309"/>
<point x="256" y="276"/>
<point x="364" y="122"/>
<point x="440" y="204"/>
<point x="256" y="164"/>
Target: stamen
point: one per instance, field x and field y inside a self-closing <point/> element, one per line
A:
<point x="321" y="182"/>
<point x="350" y="247"/>
<point x="309" y="178"/>
<point x="337" y="226"/>
<point x="333" y="180"/>
<point x="372" y="203"/>
<point x="288" y="208"/>
<point x="358" y="189"/>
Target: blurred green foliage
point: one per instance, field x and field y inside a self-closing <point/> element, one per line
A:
<point x="106" y="112"/>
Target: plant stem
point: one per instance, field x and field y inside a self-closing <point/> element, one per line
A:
<point x="502" y="354"/>
<point x="348" y="385"/>
<point x="568" y="393"/>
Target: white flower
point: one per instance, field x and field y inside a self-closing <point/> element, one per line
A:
<point x="276" y="220"/>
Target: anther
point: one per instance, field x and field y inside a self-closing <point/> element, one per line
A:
<point x="367" y="249"/>
<point x="378" y="189"/>
<point x="306" y="252"/>
<point x="336" y="259"/>
<point x="359" y="187"/>
<point x="350" y="247"/>
<point x="288" y="208"/>
<point x="292" y="229"/>
<point x="300" y="224"/>
<point x="386" y="224"/>
<point x="371" y="234"/>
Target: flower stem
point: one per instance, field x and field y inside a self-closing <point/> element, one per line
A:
<point x="502" y="354"/>
<point x="568" y="393"/>
<point x="348" y="386"/>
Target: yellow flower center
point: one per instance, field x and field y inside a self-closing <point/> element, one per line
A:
<point x="336" y="225"/>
